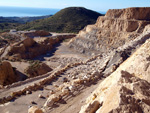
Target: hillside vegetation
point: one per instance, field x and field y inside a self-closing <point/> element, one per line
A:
<point x="23" y="20"/>
<point x="70" y="19"/>
<point x="7" y="23"/>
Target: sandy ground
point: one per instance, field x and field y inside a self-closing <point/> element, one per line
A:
<point x="20" y="66"/>
<point x="73" y="104"/>
<point x="69" y="104"/>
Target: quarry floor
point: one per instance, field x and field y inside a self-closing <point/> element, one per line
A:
<point x="70" y="104"/>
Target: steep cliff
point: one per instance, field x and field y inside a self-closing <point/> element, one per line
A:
<point x="111" y="31"/>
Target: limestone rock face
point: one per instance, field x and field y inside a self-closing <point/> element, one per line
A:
<point x="126" y="89"/>
<point x="111" y="31"/>
<point x="142" y="13"/>
<point x="7" y="74"/>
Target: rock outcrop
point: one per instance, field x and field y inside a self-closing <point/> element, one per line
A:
<point x="121" y="40"/>
<point x="111" y="31"/>
<point x="130" y="13"/>
<point x="30" y="48"/>
<point x="125" y="90"/>
<point x="7" y="74"/>
<point x="36" y="69"/>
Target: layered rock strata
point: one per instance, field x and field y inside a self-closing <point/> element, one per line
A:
<point x="111" y="31"/>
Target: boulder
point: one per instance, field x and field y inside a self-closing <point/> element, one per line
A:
<point x="7" y="73"/>
<point x="51" y="100"/>
<point x="40" y="96"/>
<point x="35" y="109"/>
<point x="65" y="91"/>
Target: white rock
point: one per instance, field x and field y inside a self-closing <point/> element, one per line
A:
<point x="50" y="101"/>
<point x="65" y="90"/>
<point x="35" y="109"/>
<point x="72" y="88"/>
<point x="40" y="96"/>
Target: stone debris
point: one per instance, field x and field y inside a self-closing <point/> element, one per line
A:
<point x="51" y="92"/>
<point x="125" y="90"/>
<point x="51" y="100"/>
<point x="35" y="109"/>
<point x="41" y="96"/>
<point x="113" y="46"/>
<point x="28" y="92"/>
<point x="72" y="88"/>
<point x="65" y="79"/>
<point x="65" y="91"/>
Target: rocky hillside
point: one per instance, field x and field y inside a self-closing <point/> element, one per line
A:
<point x="104" y="69"/>
<point x="125" y="90"/>
<point x="111" y="31"/>
<point x="30" y="48"/>
<point x="23" y="20"/>
<point x="70" y="19"/>
<point x="7" y="23"/>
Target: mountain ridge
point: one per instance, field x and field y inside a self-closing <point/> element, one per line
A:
<point x="71" y="19"/>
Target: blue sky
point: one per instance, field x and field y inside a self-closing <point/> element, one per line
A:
<point x="98" y="5"/>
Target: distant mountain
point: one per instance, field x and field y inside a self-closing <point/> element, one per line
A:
<point x="7" y="23"/>
<point x="70" y="19"/>
<point x="6" y="20"/>
<point x="26" y="19"/>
